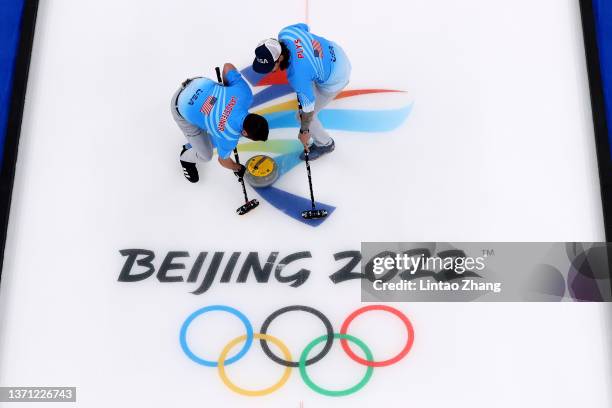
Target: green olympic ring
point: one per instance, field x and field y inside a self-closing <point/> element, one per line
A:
<point x="341" y="393"/>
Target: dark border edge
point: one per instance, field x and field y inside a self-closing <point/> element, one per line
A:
<point x="598" y="108"/>
<point x="600" y="125"/>
<point x="15" y="116"/>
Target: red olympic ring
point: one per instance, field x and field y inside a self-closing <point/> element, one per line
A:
<point x="383" y="363"/>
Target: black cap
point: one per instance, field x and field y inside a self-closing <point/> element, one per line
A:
<point x="266" y="54"/>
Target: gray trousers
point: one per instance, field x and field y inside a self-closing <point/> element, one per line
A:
<point x="201" y="146"/>
<point x="318" y="134"/>
<point x="327" y="92"/>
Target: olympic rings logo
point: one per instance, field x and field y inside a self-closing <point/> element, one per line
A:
<point x="287" y="360"/>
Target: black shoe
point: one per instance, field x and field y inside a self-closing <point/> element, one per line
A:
<point x="189" y="169"/>
<point x="317" y="151"/>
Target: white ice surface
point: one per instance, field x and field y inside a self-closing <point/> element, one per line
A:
<point x="499" y="147"/>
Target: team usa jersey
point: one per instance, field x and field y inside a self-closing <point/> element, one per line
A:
<point x="311" y="60"/>
<point x="220" y="110"/>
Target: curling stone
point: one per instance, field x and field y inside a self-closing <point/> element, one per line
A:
<point x="261" y="171"/>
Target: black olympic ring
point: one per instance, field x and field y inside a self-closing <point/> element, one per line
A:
<point x="328" y="342"/>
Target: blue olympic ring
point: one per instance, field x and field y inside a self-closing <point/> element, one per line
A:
<point x="213" y="308"/>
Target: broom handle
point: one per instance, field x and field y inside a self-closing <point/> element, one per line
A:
<point x="309" y="179"/>
<point x="312" y="201"/>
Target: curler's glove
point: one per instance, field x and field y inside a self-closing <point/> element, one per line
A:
<point x="240" y="173"/>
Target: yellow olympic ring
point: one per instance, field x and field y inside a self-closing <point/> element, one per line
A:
<point x="254" y="393"/>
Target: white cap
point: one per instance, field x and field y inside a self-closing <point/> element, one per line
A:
<point x="266" y="54"/>
<point x="273" y="46"/>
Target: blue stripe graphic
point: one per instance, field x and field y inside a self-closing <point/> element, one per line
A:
<point x="342" y="119"/>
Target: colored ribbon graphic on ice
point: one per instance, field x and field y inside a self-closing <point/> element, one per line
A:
<point x="282" y="115"/>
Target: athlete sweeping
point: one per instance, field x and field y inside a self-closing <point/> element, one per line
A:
<point x="212" y="115"/>
<point x="317" y="70"/>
